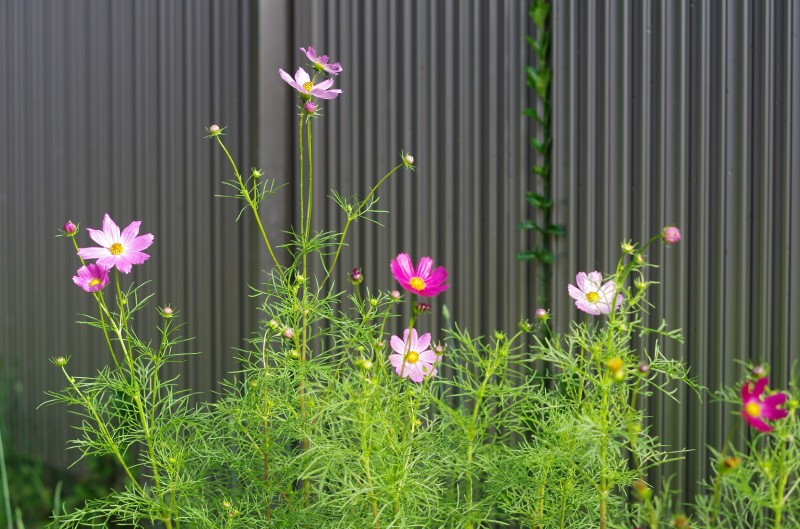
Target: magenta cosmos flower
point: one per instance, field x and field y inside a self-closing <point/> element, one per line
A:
<point x="92" y="277"/>
<point x="755" y="409"/>
<point x="593" y="297"/>
<point x="412" y="358"/>
<point x="303" y="84"/>
<point x="423" y="279"/>
<point x="122" y="250"/>
<point x="322" y="63"/>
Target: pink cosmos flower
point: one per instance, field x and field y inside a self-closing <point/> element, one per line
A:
<point x="302" y="83"/>
<point x="755" y="409"/>
<point x="412" y="357"/>
<point x="423" y="279"/>
<point x="591" y="296"/>
<point x="122" y="250"/>
<point x="322" y="63"/>
<point x="92" y="277"/>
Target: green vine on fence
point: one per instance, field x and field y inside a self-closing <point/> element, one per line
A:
<point x="539" y="79"/>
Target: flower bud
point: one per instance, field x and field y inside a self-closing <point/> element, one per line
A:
<point x="257" y="173"/>
<point x="526" y="326"/>
<point x="288" y="333"/>
<point x="356" y="276"/>
<point x="294" y="353"/>
<point x="226" y="504"/>
<point x="641" y="285"/>
<point x="671" y="235"/>
<point x="214" y="130"/>
<point x="310" y="107"/>
<point x="273" y="324"/>
<point x="380" y="344"/>
<point x="640" y="259"/>
<point x="422" y="308"/>
<point x="364" y="364"/>
<point x="628" y="247"/>
<point x="395" y="295"/>
<point x="681" y="521"/>
<point x="70" y="229"/>
<point x="643" y="492"/>
<point x="542" y="314"/>
<point x="730" y="463"/>
<point x="439" y="349"/>
<point x="615" y="364"/>
<point x="758" y="370"/>
<point x="644" y="368"/>
<point x="60" y="361"/>
<point x="408" y="159"/>
<point x="167" y="312"/>
<point x="300" y="278"/>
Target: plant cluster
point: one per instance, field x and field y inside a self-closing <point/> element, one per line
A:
<point x="343" y="414"/>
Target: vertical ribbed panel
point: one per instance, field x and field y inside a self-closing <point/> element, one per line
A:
<point x="445" y="82"/>
<point x="685" y="113"/>
<point x="103" y="108"/>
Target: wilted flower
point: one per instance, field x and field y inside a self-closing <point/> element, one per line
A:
<point x="591" y="296"/>
<point x="411" y="357"/>
<point x="303" y="84"/>
<point x="122" y="250"/>
<point x="322" y="63"/>
<point x="423" y="279"/>
<point x="681" y="521"/>
<point x="730" y="463"/>
<point x="92" y="277"/>
<point x="755" y="409"/>
<point x="70" y="229"/>
<point x="671" y="235"/>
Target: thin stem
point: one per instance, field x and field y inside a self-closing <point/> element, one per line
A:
<point x="302" y="175"/>
<point x="351" y="217"/>
<point x="4" y="477"/>
<point x="251" y="202"/>
<point x="310" y="180"/>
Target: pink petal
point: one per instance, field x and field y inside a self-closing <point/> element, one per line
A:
<point x="122" y="264"/>
<point x="288" y="78"/>
<point x="438" y="277"/>
<point x="587" y="307"/>
<point x="428" y="357"/>
<point x="396" y="361"/>
<point x="324" y="85"/>
<point x="580" y="280"/>
<point x="140" y="243"/>
<point x="130" y="232"/>
<point x="761" y="385"/>
<point x="93" y="253"/>
<point x="424" y="268"/>
<point x="596" y="278"/>
<point x="302" y="77"/>
<point x="397" y="345"/>
<point x="136" y="258"/>
<point x="746" y="392"/>
<point x="757" y="423"/>
<point x="415" y="372"/>
<point x="327" y="94"/>
<point x="576" y="294"/>
<point x="111" y="228"/>
<point x="100" y="237"/>
<point x="423" y="342"/>
<point x="402" y="267"/>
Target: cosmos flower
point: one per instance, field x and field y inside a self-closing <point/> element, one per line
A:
<point x="122" y="250"/>
<point x="303" y="84"/>
<point x="92" y="277"/>
<point x="591" y="296"/>
<point x="322" y="63"/>
<point x="423" y="279"/>
<point x="412" y="357"/>
<point x="755" y="409"/>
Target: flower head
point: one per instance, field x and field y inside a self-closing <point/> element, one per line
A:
<point x="412" y="357"/>
<point x="322" y="63"/>
<point x="122" y="250"/>
<point x="423" y="279"/>
<point x="303" y="84"/>
<point x="755" y="409"/>
<point x="92" y="277"/>
<point x="593" y="297"/>
<point x="671" y="235"/>
<point x="70" y="229"/>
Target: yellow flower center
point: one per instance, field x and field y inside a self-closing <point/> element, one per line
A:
<point x="593" y="297"/>
<point x="308" y="86"/>
<point x="94" y="282"/>
<point x="116" y="249"/>
<point x="417" y="283"/>
<point x="753" y="409"/>
<point x="412" y="357"/>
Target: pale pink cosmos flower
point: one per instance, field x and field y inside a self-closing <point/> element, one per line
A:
<point x="422" y="279"/>
<point x="412" y="357"/>
<point x="303" y="84"/>
<point x="92" y="277"/>
<point x="755" y="409"/>
<point x="592" y="296"/>
<point x="122" y="250"/>
<point x="322" y="63"/>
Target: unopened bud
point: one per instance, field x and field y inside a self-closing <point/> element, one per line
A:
<point x="395" y="295"/>
<point x="439" y="349"/>
<point x="60" y="361"/>
<point x="628" y="247"/>
<point x="643" y="492"/>
<point x="310" y="107"/>
<point x="640" y="259"/>
<point x="214" y="130"/>
<point x="356" y="276"/>
<point x="300" y="278"/>
<point x="759" y="370"/>
<point x="615" y="364"/>
<point x="273" y="324"/>
<point x="226" y="504"/>
<point x="288" y="333"/>
<point x="526" y="326"/>
<point x="422" y="308"/>
<point x="294" y="353"/>
<point x="542" y="314"/>
<point x="167" y="312"/>
<point x="364" y="364"/>
<point x="641" y="285"/>
<point x="257" y="173"/>
<point x="644" y="368"/>
<point x="408" y="159"/>
<point x="374" y="302"/>
<point x="671" y="235"/>
<point x="70" y="229"/>
<point x="681" y="521"/>
<point x="730" y="463"/>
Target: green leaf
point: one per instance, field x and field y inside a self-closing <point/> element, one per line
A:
<point x="557" y="229"/>
<point x="527" y="255"/>
<point x="540" y="12"/>
<point x="528" y="225"/>
<point x="531" y="113"/>
<point x="544" y="255"/>
<point x="543" y="170"/>
<point x="542" y="46"/>
<point x="542" y="147"/>
<point x="540" y="201"/>
<point x="534" y="44"/>
<point x="541" y="82"/>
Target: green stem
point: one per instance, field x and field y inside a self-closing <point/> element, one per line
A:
<point x="310" y="180"/>
<point x="302" y="175"/>
<point x="251" y="202"/>
<point x="4" y="477"/>
<point x="351" y="217"/>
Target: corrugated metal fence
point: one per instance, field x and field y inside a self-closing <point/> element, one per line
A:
<point x="664" y="112"/>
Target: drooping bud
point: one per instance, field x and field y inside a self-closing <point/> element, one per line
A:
<point x="70" y="229"/>
<point x="671" y="235"/>
<point x="356" y="276"/>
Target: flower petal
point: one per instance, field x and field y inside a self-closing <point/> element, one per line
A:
<point x="438" y="277"/>
<point x="580" y="280"/>
<point x="324" y="85"/>
<point x="761" y="385"/>
<point x="100" y="237"/>
<point x="424" y="268"/>
<point x="130" y="232"/>
<point x="398" y="345"/>
<point x="93" y="253"/>
<point x="422" y="343"/>
<point x="326" y="94"/>
<point x="142" y="242"/>
<point x="402" y="267"/>
<point x="757" y="423"/>
<point x="576" y="293"/>
<point x="302" y="77"/>
<point x="111" y="228"/>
